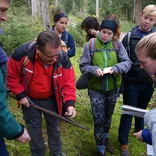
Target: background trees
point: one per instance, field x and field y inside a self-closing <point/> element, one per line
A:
<point x="129" y="9"/>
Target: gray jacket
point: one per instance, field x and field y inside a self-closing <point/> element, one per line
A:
<point x="150" y="121"/>
<point x="122" y="67"/>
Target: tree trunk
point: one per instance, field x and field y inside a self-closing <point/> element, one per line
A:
<point x="45" y="13"/>
<point x="40" y="9"/>
<point x="56" y="3"/>
<point x="35" y="5"/>
<point x="97" y="8"/>
<point x="138" y="9"/>
<point x="134" y="4"/>
<point x="126" y="13"/>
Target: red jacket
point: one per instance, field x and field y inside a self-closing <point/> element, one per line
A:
<point x="63" y="76"/>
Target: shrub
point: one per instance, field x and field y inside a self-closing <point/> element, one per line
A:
<point x="78" y="34"/>
<point x="18" y="30"/>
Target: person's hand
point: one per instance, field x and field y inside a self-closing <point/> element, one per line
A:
<point x="71" y="112"/>
<point x="24" y="102"/>
<point x="138" y="135"/>
<point x="99" y="73"/>
<point x="24" y="137"/>
<point x="94" y="32"/>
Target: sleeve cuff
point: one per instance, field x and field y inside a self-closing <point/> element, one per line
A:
<point x="21" y="95"/>
<point x="22" y="131"/>
<point x="69" y="103"/>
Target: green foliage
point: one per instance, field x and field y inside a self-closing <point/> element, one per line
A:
<point x="91" y="7"/>
<point x="19" y="30"/>
<point x="75" y="29"/>
<point x="19" y="3"/>
<point x="77" y="34"/>
<point x="126" y="26"/>
<point x="66" y="5"/>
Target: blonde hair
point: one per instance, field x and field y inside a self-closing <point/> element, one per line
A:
<point x="150" y="10"/>
<point x="148" y="45"/>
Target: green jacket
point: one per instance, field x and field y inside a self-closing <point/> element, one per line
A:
<point x="104" y="56"/>
<point x="121" y="65"/>
<point x="9" y="127"/>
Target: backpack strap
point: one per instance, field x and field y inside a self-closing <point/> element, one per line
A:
<point x="92" y="47"/>
<point x="116" y="46"/>
<point x="66" y="37"/>
<point x="92" y="42"/>
<point x="26" y="59"/>
<point x="128" y="43"/>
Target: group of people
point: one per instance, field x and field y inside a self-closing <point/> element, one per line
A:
<point x="100" y="66"/>
<point x="41" y="73"/>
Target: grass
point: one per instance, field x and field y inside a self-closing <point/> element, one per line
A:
<point x="76" y="141"/>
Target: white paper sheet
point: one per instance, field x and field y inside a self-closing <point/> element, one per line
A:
<point x="133" y="111"/>
<point x="150" y="150"/>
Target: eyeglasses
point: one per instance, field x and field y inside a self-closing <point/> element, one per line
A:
<point x="49" y="57"/>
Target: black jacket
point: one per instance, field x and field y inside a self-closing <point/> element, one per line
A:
<point x="135" y="74"/>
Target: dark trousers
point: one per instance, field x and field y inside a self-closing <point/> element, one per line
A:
<point x="102" y="108"/>
<point x="137" y="95"/>
<point x="33" y="119"/>
<point x="3" y="150"/>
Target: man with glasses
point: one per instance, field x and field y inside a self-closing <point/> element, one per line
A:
<point x="41" y="72"/>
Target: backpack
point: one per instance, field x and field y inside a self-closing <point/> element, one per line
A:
<point x="82" y="82"/>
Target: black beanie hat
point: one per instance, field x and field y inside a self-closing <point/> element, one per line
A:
<point x="109" y="24"/>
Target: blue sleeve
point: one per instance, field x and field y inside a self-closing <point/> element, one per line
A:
<point x="71" y="45"/>
<point x="146" y="135"/>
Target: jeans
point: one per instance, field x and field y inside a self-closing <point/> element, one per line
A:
<point x="33" y="119"/>
<point x="137" y="95"/>
<point x="3" y="150"/>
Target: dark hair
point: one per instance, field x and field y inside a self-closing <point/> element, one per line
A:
<point x="90" y="22"/>
<point x="114" y="18"/>
<point x="59" y="15"/>
<point x="48" y="36"/>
